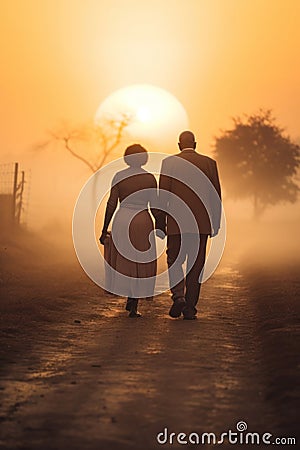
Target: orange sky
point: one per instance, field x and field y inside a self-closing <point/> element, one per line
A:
<point x="220" y="58"/>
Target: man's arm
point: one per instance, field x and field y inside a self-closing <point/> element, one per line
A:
<point x="216" y="181"/>
<point x="216" y="206"/>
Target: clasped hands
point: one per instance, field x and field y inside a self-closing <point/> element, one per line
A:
<point x="104" y="235"/>
<point x="160" y="232"/>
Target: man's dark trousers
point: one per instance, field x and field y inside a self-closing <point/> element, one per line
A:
<point x="180" y="248"/>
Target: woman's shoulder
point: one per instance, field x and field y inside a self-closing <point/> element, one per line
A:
<point x="129" y="172"/>
<point x="120" y="175"/>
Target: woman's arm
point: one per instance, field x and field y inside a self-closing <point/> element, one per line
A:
<point x="110" y="209"/>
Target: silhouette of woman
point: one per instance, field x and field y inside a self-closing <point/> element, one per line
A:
<point x="132" y="274"/>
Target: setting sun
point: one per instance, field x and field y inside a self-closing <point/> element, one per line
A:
<point x="155" y="115"/>
<point x="143" y="114"/>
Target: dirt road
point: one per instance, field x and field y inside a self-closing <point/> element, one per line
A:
<point x="77" y="373"/>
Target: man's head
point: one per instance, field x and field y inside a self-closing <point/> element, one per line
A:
<point x="187" y="140"/>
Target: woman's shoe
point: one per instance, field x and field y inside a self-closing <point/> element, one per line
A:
<point x="131" y="306"/>
<point x="134" y="314"/>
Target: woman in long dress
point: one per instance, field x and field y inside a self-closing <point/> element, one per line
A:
<point x="132" y="256"/>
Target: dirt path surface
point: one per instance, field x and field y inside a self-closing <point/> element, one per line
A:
<point x="76" y="373"/>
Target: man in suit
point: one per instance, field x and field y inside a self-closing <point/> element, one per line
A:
<point x="191" y="178"/>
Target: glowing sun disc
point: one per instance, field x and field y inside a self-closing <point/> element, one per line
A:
<point x="156" y="117"/>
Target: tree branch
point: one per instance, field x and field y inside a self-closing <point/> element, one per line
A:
<point x="107" y="136"/>
<point x="76" y="155"/>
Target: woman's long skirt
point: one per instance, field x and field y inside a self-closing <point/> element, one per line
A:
<point x="131" y="254"/>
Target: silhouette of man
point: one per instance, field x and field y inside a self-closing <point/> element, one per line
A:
<point x="185" y="242"/>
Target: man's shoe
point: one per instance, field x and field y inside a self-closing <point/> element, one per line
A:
<point x="177" y="307"/>
<point x="189" y="317"/>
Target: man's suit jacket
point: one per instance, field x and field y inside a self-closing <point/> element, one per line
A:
<point x="201" y="174"/>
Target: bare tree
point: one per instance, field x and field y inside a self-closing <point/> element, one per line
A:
<point x="103" y="138"/>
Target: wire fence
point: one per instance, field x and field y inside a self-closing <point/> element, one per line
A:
<point x="7" y="173"/>
<point x="14" y="194"/>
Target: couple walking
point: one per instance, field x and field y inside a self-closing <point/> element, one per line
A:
<point x="185" y="210"/>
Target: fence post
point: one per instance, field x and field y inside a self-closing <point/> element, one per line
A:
<point x="15" y="191"/>
<point x="20" y="188"/>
